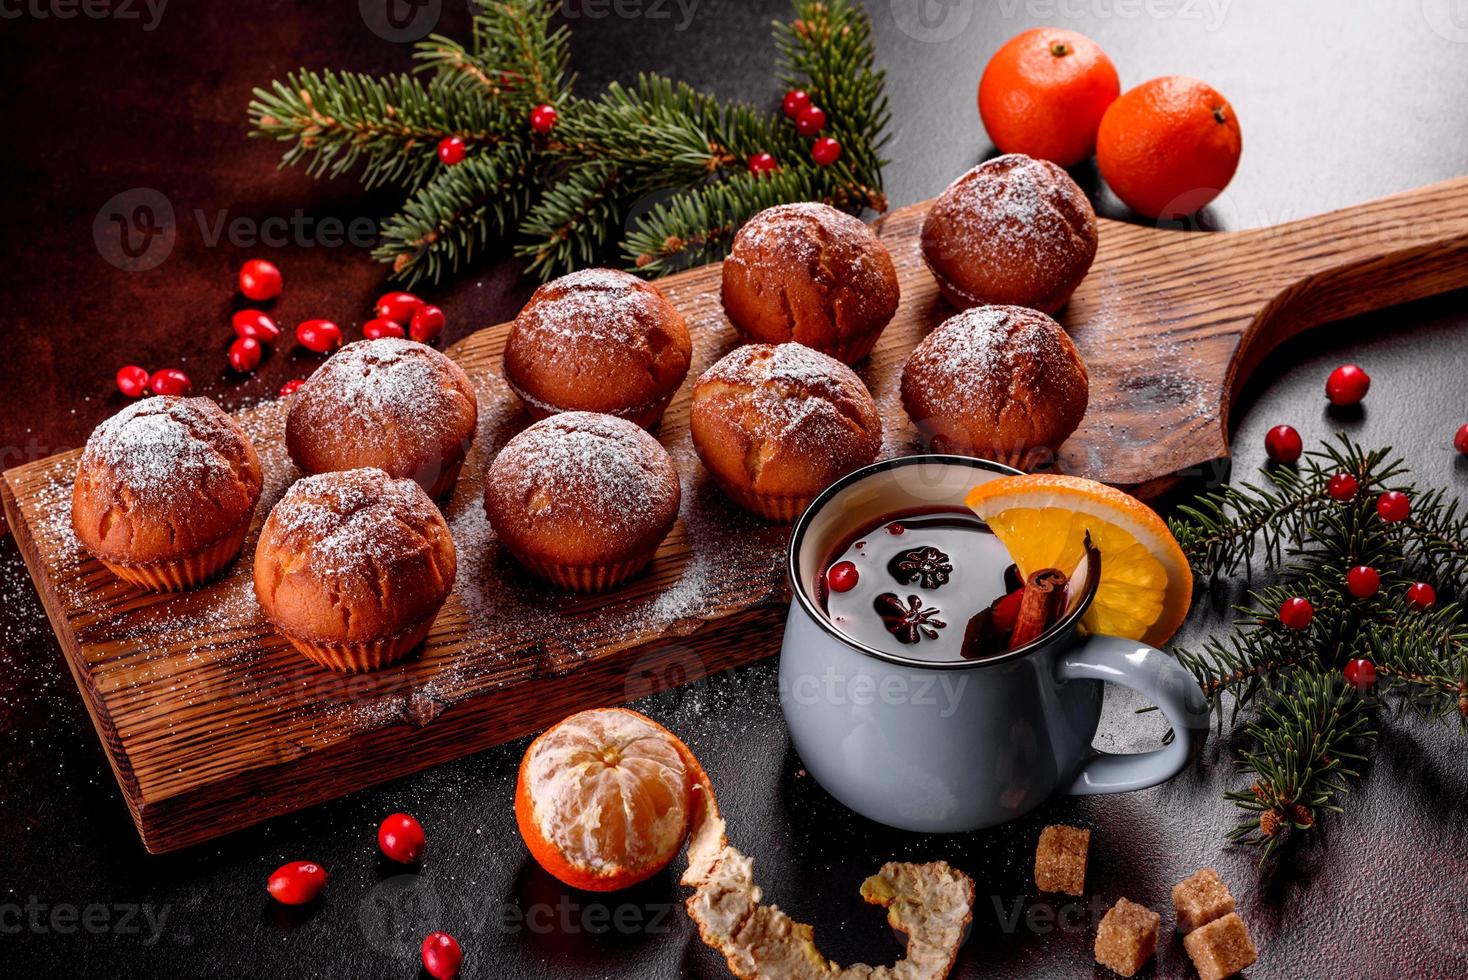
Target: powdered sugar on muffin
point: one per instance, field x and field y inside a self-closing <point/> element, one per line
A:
<point x="160" y="447"/>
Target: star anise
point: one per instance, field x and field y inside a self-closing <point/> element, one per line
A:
<point x="909" y="621"/>
<point x="927" y="565"/>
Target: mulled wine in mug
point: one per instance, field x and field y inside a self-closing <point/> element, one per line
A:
<point x="924" y="689"/>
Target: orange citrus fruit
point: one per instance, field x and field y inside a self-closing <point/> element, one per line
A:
<point x="604" y="797"/>
<point x="1044" y="92"/>
<point x="1169" y="146"/>
<point x="1146" y="585"/>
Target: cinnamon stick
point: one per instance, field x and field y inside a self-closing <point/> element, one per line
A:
<point x="1042" y="606"/>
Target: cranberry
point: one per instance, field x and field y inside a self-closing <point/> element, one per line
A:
<point x="1342" y="487"/>
<point x="1360" y="673"/>
<point x="1006" y="610"/>
<point x="825" y="151"/>
<point x="442" y="956"/>
<point x="401" y="838"/>
<point x="255" y="325"/>
<point x="762" y="163"/>
<point x="296" y="883"/>
<point x="245" y="354"/>
<point x="543" y="118"/>
<point x="795" y="102"/>
<point x="1393" y="506"/>
<point x="291" y="387"/>
<point x="1283" y="444"/>
<point x="170" y="381"/>
<point x="260" y="280"/>
<point x="319" y="335"/>
<point x="379" y="327"/>
<point x="398" y="307"/>
<point x="842" y="576"/>
<point x="812" y="120"/>
<point x="451" y="150"/>
<point x="132" y="381"/>
<point x="1421" y="596"/>
<point x="896" y="529"/>
<point x="1296" y="613"/>
<point x="1460" y="440"/>
<point x="426" y="325"/>
<point x="1363" y="582"/>
<point x="1347" y="385"/>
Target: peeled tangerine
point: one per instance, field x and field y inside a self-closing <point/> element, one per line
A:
<point x="605" y="800"/>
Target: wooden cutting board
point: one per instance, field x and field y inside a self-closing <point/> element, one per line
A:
<point x="212" y="723"/>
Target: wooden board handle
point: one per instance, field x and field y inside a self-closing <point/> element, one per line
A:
<point x="1349" y="262"/>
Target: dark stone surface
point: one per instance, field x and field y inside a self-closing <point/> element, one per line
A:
<point x="1339" y="103"/>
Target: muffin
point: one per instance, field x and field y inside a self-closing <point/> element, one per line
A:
<point x="1001" y="382"/>
<point x="164" y="492"/>
<point x="775" y="425"/>
<point x="353" y="566"/>
<point x="813" y="275"/>
<point x="393" y="404"/>
<point x="1012" y="231"/>
<point x="582" y="500"/>
<point x="598" y="341"/>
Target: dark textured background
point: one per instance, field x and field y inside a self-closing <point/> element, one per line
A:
<point x="1339" y="102"/>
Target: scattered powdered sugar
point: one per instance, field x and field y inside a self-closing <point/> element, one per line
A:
<point x="976" y="354"/>
<point x="163" y="446"/>
<point x="341" y="520"/>
<point x="1015" y="207"/>
<point x="601" y="466"/>
<point x="593" y="305"/>
<point x="388" y="380"/>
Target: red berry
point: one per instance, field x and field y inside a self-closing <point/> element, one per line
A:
<point x="812" y="120"/>
<point x="397" y="306"/>
<point x="379" y="327"/>
<point x="895" y="528"/>
<point x="291" y="387"/>
<point x="401" y="838"/>
<point x="1360" y="673"/>
<point x="170" y="381"/>
<point x="543" y="118"/>
<point x="1460" y="440"/>
<point x="795" y="102"/>
<point x="296" y="883"/>
<point x="442" y="956"/>
<point x="245" y="354"/>
<point x="426" y="325"/>
<point x="132" y="381"/>
<point x="1347" y="385"/>
<point x="1006" y="610"/>
<point x="319" y="335"/>
<point x="255" y="325"/>
<point x="451" y="150"/>
<point x="1363" y="581"/>
<point x="260" y="280"/>
<point x="842" y="576"/>
<point x="1421" y="596"/>
<point x="1283" y="444"/>
<point x="1296" y="613"/>
<point x="762" y="163"/>
<point x="1393" y="506"/>
<point x="1342" y="487"/>
<point x="825" y="151"/>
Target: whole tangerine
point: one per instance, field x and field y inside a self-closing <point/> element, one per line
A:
<point x="1044" y="93"/>
<point x="1169" y="146"/>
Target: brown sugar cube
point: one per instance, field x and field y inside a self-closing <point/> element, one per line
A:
<point x="1060" y="859"/>
<point x="1199" y="899"/>
<point x="1127" y="937"/>
<point x="1221" y="948"/>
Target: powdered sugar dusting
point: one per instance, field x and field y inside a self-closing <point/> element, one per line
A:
<point x="1019" y="207"/>
<point x="593" y="305"/>
<point x="340" y="520"/>
<point x="977" y="352"/>
<point x="164" y="446"/>
<point x="374" y="381"/>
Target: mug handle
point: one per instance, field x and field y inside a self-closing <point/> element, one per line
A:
<point x="1158" y="678"/>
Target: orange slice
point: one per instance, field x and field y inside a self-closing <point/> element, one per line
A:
<point x="1146" y="585"/>
<point x="604" y="798"/>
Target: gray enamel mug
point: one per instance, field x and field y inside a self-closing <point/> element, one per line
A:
<point x="958" y="745"/>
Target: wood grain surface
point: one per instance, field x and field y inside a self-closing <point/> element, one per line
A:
<point x="212" y="723"/>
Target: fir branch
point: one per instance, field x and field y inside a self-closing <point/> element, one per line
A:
<point x="517" y="57"/>
<point x="445" y="221"/>
<point x="573" y="219"/>
<point x="391" y="125"/>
